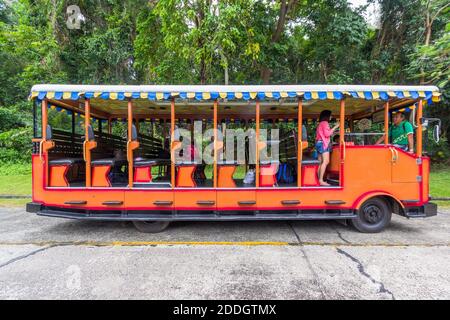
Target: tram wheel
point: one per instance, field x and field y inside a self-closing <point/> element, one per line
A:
<point x="373" y="216"/>
<point x="151" y="226"/>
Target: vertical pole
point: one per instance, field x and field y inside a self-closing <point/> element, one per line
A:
<point x="342" y="140"/>
<point x="299" y="142"/>
<point x="87" y="152"/>
<point x="419" y="136"/>
<point x="44" y="119"/>
<point x="137" y="125"/>
<point x="35" y="119"/>
<point x="73" y="123"/>
<point x="109" y="126"/>
<point x="386" y="123"/>
<point x="215" y="146"/>
<point x="172" y="153"/>
<point x="257" y="145"/>
<point x="44" y="111"/>
<point x="130" y="137"/>
<point x="342" y="121"/>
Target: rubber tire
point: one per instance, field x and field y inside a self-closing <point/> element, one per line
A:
<point x="361" y="223"/>
<point x="151" y="226"/>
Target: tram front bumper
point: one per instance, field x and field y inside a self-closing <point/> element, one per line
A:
<point x="427" y="210"/>
<point x="33" y="207"/>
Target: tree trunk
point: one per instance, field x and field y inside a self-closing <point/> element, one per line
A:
<point x="286" y="7"/>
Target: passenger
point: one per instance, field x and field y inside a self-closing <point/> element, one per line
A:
<point x="323" y="144"/>
<point x="335" y="140"/>
<point x="119" y="154"/>
<point x="401" y="133"/>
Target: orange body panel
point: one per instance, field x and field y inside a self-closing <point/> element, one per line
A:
<point x="267" y="175"/>
<point x="57" y="176"/>
<point x="425" y="179"/>
<point x="240" y="199"/>
<point x="404" y="168"/>
<point x="309" y="175"/>
<point x="143" y="174"/>
<point x="100" y="176"/>
<point x="335" y="161"/>
<point x="367" y="171"/>
<point x="186" y="199"/>
<point x="185" y="177"/>
<point x="147" y="199"/>
<point x="225" y="176"/>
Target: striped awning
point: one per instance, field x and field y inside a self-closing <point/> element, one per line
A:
<point x="246" y="93"/>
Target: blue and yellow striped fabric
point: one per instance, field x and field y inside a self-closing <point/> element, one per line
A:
<point x="308" y="95"/>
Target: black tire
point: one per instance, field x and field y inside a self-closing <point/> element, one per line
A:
<point x="373" y="216"/>
<point x="151" y="226"/>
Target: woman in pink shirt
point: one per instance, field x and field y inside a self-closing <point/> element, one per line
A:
<point x="323" y="143"/>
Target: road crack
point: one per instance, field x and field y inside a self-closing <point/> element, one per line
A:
<point x="339" y="233"/>
<point x="308" y="262"/>
<point x="361" y="269"/>
<point x="32" y="253"/>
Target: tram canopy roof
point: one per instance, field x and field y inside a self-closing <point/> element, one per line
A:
<point x="111" y="99"/>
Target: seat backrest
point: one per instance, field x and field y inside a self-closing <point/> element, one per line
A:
<point x="91" y="135"/>
<point x="49" y="132"/>
<point x="134" y="134"/>
<point x="304" y="133"/>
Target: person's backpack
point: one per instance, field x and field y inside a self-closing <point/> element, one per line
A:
<point x="285" y="173"/>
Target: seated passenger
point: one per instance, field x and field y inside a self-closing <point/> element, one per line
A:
<point x="336" y="140"/>
<point x="401" y="133"/>
<point x="323" y="144"/>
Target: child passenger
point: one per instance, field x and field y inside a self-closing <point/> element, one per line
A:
<point x="323" y="144"/>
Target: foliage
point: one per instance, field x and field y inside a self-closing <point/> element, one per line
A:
<point x="212" y="42"/>
<point x="15" y="145"/>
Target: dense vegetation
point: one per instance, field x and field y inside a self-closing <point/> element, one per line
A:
<point x="216" y="42"/>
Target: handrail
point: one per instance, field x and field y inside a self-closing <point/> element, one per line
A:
<point x="394" y="155"/>
<point x="365" y="134"/>
<point x="84" y="150"/>
<point x="41" y="148"/>
<point x="343" y="149"/>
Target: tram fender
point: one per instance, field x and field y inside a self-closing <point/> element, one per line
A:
<point x="396" y="205"/>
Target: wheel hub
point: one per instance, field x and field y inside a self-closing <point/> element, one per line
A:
<point x="373" y="214"/>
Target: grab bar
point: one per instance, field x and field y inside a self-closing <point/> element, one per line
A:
<point x="343" y="149"/>
<point x="394" y="155"/>
<point x="206" y="203"/>
<point x="290" y="202"/>
<point x="41" y="143"/>
<point x="247" y="203"/>
<point x="163" y="203"/>
<point x="84" y="150"/>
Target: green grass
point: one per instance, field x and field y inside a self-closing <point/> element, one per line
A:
<point x="13" y="202"/>
<point x="15" y="185"/>
<point x="440" y="183"/>
<point x="15" y="179"/>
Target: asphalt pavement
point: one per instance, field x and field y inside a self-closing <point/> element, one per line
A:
<point x="50" y="258"/>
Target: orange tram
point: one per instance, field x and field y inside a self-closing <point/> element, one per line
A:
<point x="116" y="153"/>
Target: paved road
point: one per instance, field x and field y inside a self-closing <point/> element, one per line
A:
<point x="49" y="258"/>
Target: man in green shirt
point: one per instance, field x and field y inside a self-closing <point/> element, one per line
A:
<point x="401" y="133"/>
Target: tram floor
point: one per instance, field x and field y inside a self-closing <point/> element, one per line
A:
<point x="47" y="258"/>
